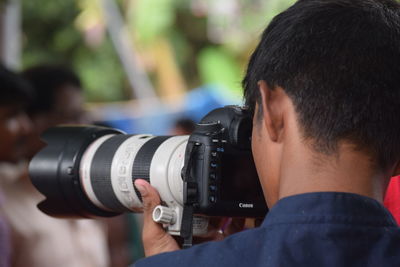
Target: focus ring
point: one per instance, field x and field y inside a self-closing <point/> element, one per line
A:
<point x="142" y="163"/>
<point x="100" y="173"/>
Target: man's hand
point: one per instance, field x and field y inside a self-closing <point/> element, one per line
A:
<point x="155" y="239"/>
<point x="219" y="228"/>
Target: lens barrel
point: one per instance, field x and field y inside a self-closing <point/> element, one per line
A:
<point x="90" y="171"/>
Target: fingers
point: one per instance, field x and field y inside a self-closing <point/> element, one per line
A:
<point x="155" y="239"/>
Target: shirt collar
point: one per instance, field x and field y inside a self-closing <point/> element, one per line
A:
<point x="329" y="207"/>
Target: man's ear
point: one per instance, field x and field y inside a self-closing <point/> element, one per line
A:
<point x="272" y="109"/>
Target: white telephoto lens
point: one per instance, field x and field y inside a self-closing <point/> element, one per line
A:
<point x="112" y="163"/>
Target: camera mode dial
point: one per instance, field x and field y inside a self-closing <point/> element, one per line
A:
<point x="208" y="128"/>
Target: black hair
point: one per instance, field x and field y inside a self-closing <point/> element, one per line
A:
<point x="13" y="88"/>
<point x="339" y="62"/>
<point x="46" y="80"/>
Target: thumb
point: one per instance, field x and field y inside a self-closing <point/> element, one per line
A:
<point x="150" y="197"/>
<point x="155" y="239"/>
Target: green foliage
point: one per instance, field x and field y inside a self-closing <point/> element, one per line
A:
<point x="151" y="18"/>
<point x="218" y="67"/>
<point x="101" y="73"/>
<point x="50" y="36"/>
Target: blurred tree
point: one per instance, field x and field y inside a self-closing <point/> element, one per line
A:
<point x="218" y="66"/>
<point x="210" y="39"/>
<point x="50" y="35"/>
<point x="182" y="43"/>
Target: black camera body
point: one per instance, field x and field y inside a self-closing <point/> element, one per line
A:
<point x="219" y="158"/>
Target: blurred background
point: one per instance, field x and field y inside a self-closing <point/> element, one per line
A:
<point x="146" y="66"/>
<point x="144" y="63"/>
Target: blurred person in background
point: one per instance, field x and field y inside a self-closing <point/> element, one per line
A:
<point x="40" y="240"/>
<point x="14" y="128"/>
<point x="59" y="100"/>
<point x="183" y="126"/>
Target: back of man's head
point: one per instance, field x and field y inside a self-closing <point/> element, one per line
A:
<point x="47" y="81"/>
<point x="339" y="62"/>
<point x="13" y="89"/>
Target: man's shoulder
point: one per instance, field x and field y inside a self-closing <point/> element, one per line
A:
<point x="299" y="231"/>
<point x="237" y="250"/>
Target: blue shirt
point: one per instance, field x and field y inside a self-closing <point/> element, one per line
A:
<point x="314" y="229"/>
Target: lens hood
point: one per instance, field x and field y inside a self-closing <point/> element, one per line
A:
<point x="54" y="171"/>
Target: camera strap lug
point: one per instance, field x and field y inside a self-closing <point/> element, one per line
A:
<point x="187" y="226"/>
<point x="190" y="198"/>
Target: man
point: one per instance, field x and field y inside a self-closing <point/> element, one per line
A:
<point x="14" y="127"/>
<point x="324" y="85"/>
<point x="40" y="240"/>
<point x="59" y="100"/>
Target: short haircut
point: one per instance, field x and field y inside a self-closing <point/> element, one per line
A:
<point x="339" y="62"/>
<point x="46" y="80"/>
<point x="13" y="89"/>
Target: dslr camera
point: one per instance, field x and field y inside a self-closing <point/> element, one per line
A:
<point x="89" y="171"/>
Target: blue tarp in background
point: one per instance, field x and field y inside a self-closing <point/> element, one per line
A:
<point x="159" y="121"/>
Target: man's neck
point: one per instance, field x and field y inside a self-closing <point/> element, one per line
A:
<point x="347" y="170"/>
